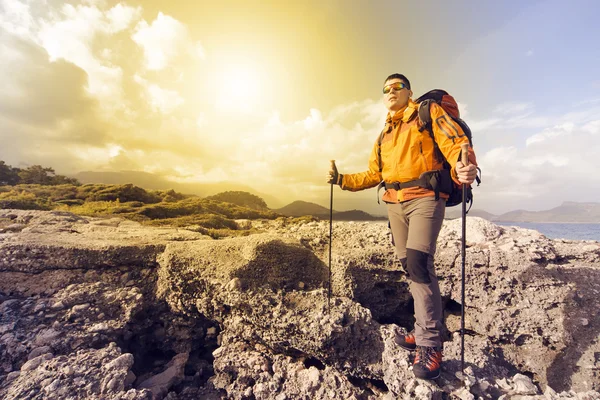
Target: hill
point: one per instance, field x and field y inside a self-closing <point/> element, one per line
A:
<point x="214" y="216"/>
<point x="455" y="212"/>
<point x="157" y="182"/>
<point x="569" y="211"/>
<point x="301" y="208"/>
<point x="240" y="198"/>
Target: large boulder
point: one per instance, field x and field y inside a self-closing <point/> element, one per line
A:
<point x="531" y="302"/>
<point x="36" y="241"/>
<point x="137" y="311"/>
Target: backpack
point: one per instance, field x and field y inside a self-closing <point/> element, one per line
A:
<point x="447" y="102"/>
<point x="439" y="181"/>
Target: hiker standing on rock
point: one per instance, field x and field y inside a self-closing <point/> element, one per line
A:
<point x="404" y="160"/>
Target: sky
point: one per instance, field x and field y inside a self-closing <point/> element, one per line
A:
<point x="265" y="93"/>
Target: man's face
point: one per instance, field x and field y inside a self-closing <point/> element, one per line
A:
<point x="397" y="94"/>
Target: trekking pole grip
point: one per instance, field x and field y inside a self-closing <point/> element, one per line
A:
<point x="464" y="154"/>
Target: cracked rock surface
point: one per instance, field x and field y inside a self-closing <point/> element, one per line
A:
<point x="111" y="309"/>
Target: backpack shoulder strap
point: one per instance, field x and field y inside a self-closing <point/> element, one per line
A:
<point x="425" y="113"/>
<point x="379" y="140"/>
<point x="425" y="117"/>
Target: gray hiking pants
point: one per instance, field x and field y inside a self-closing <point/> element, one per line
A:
<point x="415" y="227"/>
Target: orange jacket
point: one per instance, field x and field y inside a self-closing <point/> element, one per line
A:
<point x="406" y="153"/>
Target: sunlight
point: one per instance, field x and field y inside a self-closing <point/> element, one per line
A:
<point x="240" y="87"/>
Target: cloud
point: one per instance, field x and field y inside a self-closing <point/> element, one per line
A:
<point x="293" y="156"/>
<point x="554" y="166"/>
<point x="69" y="103"/>
<point x="15" y="18"/>
<point x="163" y="40"/>
<point x="73" y="35"/>
<point x="592" y="127"/>
<point x="44" y="94"/>
<point x="163" y="100"/>
<point x="511" y="116"/>
<point x="513" y="108"/>
<point x="120" y="17"/>
<point x="564" y="131"/>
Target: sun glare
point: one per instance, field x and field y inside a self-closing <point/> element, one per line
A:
<point x="240" y="87"/>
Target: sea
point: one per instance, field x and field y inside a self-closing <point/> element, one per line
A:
<point x="552" y="230"/>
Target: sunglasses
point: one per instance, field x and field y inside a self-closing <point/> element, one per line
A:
<point x="396" y="86"/>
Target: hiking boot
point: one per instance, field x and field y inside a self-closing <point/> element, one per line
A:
<point x="407" y="341"/>
<point x="428" y="362"/>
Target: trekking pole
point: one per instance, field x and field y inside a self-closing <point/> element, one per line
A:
<point x="333" y="168"/>
<point x="464" y="158"/>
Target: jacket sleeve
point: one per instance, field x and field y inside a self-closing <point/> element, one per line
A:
<point x="449" y="136"/>
<point x="367" y="179"/>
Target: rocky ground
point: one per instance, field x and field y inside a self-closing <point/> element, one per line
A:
<point x="109" y="309"/>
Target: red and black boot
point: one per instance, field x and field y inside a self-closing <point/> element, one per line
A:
<point x="407" y="341"/>
<point x="428" y="362"/>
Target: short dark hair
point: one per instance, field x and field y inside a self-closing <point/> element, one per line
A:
<point x="398" y="76"/>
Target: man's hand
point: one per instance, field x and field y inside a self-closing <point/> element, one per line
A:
<point x="333" y="177"/>
<point x="466" y="174"/>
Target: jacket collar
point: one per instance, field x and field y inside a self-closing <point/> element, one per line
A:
<point x="404" y="114"/>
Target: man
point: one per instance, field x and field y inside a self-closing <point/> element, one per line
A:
<point x="399" y="157"/>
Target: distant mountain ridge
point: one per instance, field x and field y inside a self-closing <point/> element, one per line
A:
<point x="569" y="211"/>
<point x="456" y="212"/>
<point x="301" y="208"/>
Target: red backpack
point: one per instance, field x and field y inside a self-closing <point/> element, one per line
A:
<point x="447" y="102"/>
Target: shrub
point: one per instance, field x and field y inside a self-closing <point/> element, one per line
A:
<point x="74" y="202"/>
<point x="240" y="198"/>
<point x="23" y="201"/>
<point x="124" y="193"/>
<point x="169" y="196"/>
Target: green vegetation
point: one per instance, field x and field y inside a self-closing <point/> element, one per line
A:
<point x="39" y="188"/>
<point x="153" y="207"/>
<point x="35" y="174"/>
<point x="243" y="199"/>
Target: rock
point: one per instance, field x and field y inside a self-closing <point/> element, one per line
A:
<point x="261" y="260"/>
<point x="160" y="384"/>
<point x="523" y="385"/>
<point x="13" y="228"/>
<point x="57" y="306"/>
<point x="99" y="327"/>
<point x="38" y="351"/>
<point x="464" y="394"/>
<point x="280" y="336"/>
<point x="80" y="308"/>
<point x="234" y="284"/>
<point x="124" y="361"/>
<point x="34" y="363"/>
<point x="130" y="379"/>
<point x="46" y="337"/>
<point x="550" y="394"/>
<point x="12" y="376"/>
<point x="212" y="331"/>
<point x="48" y="242"/>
